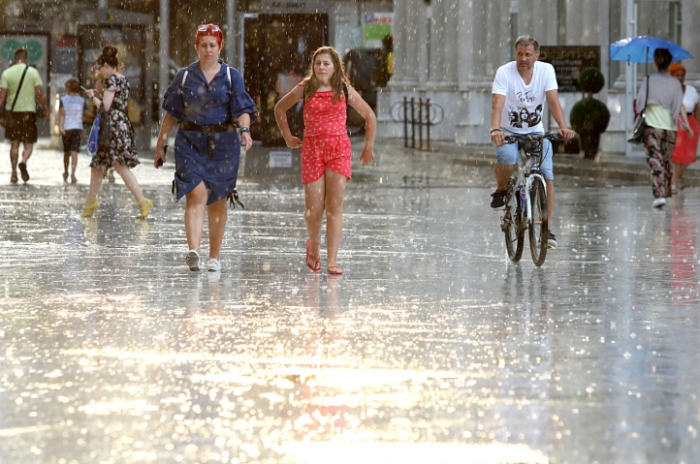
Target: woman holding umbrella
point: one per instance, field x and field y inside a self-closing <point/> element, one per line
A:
<point x="662" y="96"/>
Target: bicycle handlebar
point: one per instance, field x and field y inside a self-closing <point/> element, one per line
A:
<point x="525" y="138"/>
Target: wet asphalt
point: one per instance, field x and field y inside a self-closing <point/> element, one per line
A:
<point x="432" y="348"/>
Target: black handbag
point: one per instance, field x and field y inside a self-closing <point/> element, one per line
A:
<point x="636" y="137"/>
<point x="6" y="116"/>
<point x="105" y="134"/>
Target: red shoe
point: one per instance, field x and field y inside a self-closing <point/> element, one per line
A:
<point x="312" y="262"/>
<point x="335" y="270"/>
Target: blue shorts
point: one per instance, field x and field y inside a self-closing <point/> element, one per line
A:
<point x="508" y="155"/>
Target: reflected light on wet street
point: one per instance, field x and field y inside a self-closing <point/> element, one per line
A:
<point x="431" y="348"/>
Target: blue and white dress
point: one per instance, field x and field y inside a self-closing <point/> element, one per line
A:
<point x="210" y="158"/>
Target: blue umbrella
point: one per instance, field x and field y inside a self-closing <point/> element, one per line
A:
<point x="641" y="49"/>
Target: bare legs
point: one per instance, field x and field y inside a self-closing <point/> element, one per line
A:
<point x="70" y="158"/>
<point x="678" y="170"/>
<point x="14" y="155"/>
<point x="96" y="175"/>
<point x="503" y="173"/>
<point x="194" y="220"/>
<point x="326" y="194"/>
<point x="550" y="200"/>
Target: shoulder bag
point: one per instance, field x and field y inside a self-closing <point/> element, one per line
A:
<point x="6" y="116"/>
<point x="637" y="135"/>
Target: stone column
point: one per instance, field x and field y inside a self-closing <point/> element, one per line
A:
<point x="474" y="100"/>
<point x="410" y="52"/>
<point x="538" y="18"/>
<point x="407" y="20"/>
<point x="497" y="36"/>
<point x="690" y="40"/>
<point x="443" y="44"/>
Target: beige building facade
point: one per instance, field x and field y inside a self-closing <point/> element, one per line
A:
<point x="449" y="50"/>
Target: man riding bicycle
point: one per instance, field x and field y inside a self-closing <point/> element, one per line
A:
<point x="520" y="89"/>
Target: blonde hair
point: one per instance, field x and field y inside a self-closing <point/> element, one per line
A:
<point x="311" y="82"/>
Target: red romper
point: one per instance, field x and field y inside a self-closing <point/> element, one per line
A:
<point x="326" y="143"/>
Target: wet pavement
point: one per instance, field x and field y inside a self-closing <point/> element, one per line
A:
<point x="432" y="348"/>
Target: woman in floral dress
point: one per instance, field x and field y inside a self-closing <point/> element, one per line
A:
<point x="121" y="153"/>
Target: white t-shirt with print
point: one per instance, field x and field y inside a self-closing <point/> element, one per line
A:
<point x="522" y="112"/>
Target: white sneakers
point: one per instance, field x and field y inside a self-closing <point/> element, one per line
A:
<point x="192" y="260"/>
<point x="214" y="265"/>
<point x="659" y="202"/>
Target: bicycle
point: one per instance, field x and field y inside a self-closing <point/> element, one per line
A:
<point x="526" y="200"/>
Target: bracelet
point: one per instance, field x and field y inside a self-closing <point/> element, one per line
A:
<point x="494" y="130"/>
<point x="243" y="129"/>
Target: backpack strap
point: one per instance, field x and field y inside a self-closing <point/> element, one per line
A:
<point x="184" y="78"/>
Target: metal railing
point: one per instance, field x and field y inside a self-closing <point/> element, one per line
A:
<point x="417" y="114"/>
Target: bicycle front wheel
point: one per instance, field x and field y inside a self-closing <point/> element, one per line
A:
<point x="511" y="225"/>
<point x="538" y="227"/>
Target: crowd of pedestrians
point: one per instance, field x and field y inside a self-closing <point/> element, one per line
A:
<point x="208" y="105"/>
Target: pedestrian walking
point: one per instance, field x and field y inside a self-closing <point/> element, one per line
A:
<point x="72" y="109"/>
<point x="208" y="101"/>
<point x="121" y="153"/>
<point x="664" y="110"/>
<point x="326" y="153"/>
<point x="519" y="92"/>
<point x="685" y="151"/>
<point x="20" y="88"/>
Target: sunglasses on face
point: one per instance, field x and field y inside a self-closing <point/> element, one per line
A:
<point x="208" y="27"/>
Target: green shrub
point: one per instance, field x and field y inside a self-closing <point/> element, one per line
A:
<point x="591" y="80"/>
<point x="589" y="115"/>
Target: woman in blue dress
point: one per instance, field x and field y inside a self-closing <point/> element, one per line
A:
<point x="208" y="101"/>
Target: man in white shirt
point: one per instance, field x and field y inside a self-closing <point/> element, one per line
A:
<point x="520" y="90"/>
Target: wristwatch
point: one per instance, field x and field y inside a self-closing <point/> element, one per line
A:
<point x="243" y="129"/>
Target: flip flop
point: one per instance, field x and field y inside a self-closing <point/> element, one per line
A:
<point x="335" y="270"/>
<point x="315" y="259"/>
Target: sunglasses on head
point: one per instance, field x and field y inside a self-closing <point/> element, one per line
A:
<point x="208" y="27"/>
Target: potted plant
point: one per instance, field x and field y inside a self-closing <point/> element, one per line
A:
<point x="590" y="117"/>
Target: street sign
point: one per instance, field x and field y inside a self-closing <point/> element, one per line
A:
<point x="280" y="159"/>
<point x="569" y="61"/>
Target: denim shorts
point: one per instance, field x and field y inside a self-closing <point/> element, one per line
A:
<point x="508" y="155"/>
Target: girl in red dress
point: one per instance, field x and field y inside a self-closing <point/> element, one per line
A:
<point x="326" y="154"/>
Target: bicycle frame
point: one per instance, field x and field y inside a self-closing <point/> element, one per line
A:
<point x="530" y="166"/>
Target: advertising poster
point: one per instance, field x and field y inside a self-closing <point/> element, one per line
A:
<point x="37" y="46"/>
<point x="375" y="27"/>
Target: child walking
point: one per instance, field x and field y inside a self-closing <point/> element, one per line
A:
<point x="326" y="154"/>
<point x="72" y="107"/>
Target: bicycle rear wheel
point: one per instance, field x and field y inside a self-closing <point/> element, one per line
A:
<point x="539" y="226"/>
<point x="511" y="225"/>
